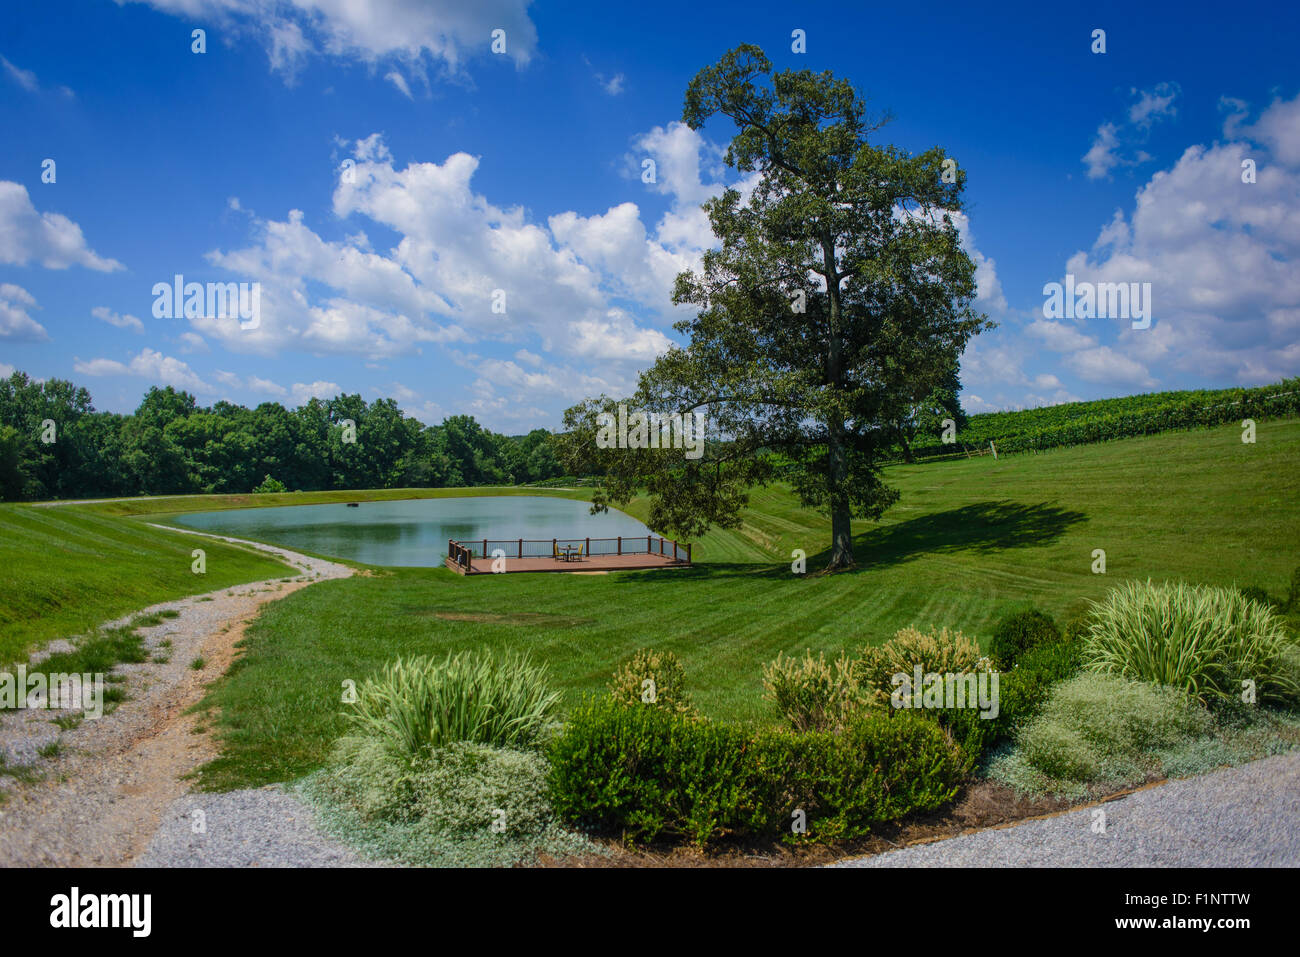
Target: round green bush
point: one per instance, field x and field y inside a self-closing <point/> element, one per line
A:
<point x="1019" y="632"/>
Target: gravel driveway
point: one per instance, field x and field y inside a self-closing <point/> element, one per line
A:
<point x="100" y="795"/>
<point x="264" y="827"/>
<point x="1247" y="816"/>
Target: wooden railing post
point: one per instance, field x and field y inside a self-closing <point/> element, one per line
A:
<point x="485" y="555"/>
<point x="649" y="549"/>
<point x="620" y="544"/>
<point x="521" y="548"/>
<point x="588" y="552"/>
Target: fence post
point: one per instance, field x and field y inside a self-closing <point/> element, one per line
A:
<point x="485" y="549"/>
<point x="688" y="553"/>
<point x="620" y="544"/>
<point x="521" y="548"/>
<point x="554" y="550"/>
<point x="588" y="546"/>
<point x="649" y="549"/>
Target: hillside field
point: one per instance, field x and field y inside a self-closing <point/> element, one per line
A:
<point x="968" y="541"/>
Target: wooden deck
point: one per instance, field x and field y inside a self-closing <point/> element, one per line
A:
<point x="593" y="563"/>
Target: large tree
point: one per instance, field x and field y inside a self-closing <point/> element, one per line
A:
<point x="839" y="296"/>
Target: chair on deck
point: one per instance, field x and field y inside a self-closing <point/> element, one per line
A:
<point x="566" y="553"/>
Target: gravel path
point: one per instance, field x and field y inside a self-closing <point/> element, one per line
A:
<point x="257" y="828"/>
<point x="1247" y="816"/>
<point x="100" y="799"/>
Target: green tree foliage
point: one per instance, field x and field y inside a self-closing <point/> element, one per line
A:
<point x="172" y="445"/>
<point x="839" y="298"/>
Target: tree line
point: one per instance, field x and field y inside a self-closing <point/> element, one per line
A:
<point x="54" y="444"/>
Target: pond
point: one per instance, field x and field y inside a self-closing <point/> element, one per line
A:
<point x="413" y="532"/>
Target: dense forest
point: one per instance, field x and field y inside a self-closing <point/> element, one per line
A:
<point x="53" y="444"/>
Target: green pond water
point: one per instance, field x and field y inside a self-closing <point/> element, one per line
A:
<point x="415" y="532"/>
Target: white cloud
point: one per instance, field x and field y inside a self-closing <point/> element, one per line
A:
<point x="150" y="365"/>
<point x="114" y="319"/>
<point x="1103" y="156"/>
<point x="1279" y="129"/>
<point x="6" y="370"/>
<point x="399" y="81"/>
<point x="444" y="32"/>
<point x="1107" y="366"/>
<point x="1220" y="254"/>
<point x="1058" y="336"/>
<point x="265" y="387"/>
<point x="591" y="290"/>
<point x="303" y="392"/>
<point x="15" y="323"/>
<point x="192" y="342"/>
<point x="24" y="78"/>
<point x="50" y="239"/>
<point x="1154" y="104"/>
<point x="989" y="297"/>
<point x="1117" y="145"/>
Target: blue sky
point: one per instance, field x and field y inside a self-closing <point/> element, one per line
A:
<point x="477" y="171"/>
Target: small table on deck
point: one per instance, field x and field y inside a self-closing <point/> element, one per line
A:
<point x="569" y="553"/>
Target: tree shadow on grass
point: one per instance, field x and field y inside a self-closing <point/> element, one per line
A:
<point x="979" y="527"/>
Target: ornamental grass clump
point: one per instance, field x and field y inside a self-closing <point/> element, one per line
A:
<point x="653" y="678"/>
<point x="1213" y="643"/>
<point x="936" y="652"/>
<point x="420" y="704"/>
<point x="813" y="694"/>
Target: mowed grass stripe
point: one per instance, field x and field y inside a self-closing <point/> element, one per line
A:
<point x="64" y="572"/>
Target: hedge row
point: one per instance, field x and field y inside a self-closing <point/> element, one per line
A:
<point x="649" y="773"/>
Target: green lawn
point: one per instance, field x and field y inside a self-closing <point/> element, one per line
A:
<point x="969" y="540"/>
<point x="66" y="570"/>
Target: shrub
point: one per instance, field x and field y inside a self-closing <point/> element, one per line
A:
<point x="420" y="704"/>
<point x="667" y="681"/>
<point x="1075" y="629"/>
<point x="1102" y="729"/>
<point x="811" y="694"/>
<point x="467" y="788"/>
<point x="461" y="805"/>
<point x="1021" y="694"/>
<point x="648" y="774"/>
<point x="1200" y="639"/>
<point x="941" y="651"/>
<point x="879" y="769"/>
<point x="1293" y="591"/>
<point x="1020" y="632"/>
<point x="269" y="485"/>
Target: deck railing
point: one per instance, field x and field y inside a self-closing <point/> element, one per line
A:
<point x="463" y="553"/>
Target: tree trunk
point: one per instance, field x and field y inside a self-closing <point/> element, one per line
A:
<point x="837" y="466"/>
<point x="908" y="457"/>
<point x="841" y="511"/>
